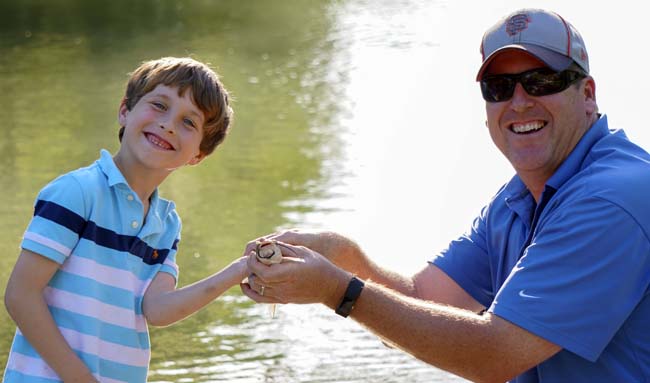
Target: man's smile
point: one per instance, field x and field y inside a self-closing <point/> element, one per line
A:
<point x="527" y="127"/>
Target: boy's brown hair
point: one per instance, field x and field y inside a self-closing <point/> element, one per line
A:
<point x="207" y="92"/>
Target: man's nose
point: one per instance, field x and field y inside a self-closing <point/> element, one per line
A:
<point x="521" y="100"/>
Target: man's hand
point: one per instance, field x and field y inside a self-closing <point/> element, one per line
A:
<point x="337" y="248"/>
<point x="304" y="276"/>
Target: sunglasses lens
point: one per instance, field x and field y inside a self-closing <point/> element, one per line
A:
<point x="542" y="84"/>
<point x="497" y="88"/>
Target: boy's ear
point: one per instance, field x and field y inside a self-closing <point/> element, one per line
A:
<point x="196" y="160"/>
<point x="122" y="112"/>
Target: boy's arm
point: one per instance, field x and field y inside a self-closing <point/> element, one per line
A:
<point x="26" y="305"/>
<point x="163" y="304"/>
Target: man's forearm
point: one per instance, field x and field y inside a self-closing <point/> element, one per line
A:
<point x="480" y="348"/>
<point x="350" y="256"/>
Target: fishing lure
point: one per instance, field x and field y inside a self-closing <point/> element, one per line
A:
<point x="268" y="252"/>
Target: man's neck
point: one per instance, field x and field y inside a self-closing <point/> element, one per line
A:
<point x="534" y="183"/>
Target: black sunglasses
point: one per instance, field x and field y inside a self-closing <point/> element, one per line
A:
<point x="536" y="82"/>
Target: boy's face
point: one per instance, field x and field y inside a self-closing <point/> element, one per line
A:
<point x="163" y="130"/>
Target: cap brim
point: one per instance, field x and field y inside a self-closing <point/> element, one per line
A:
<point x="552" y="59"/>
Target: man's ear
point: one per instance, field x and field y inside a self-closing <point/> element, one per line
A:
<point x="196" y="160"/>
<point x="590" y="96"/>
<point x="122" y="112"/>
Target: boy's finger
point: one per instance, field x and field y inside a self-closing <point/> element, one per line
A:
<point x="250" y="246"/>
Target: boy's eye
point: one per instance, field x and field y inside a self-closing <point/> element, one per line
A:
<point x="189" y="123"/>
<point x="159" y="105"/>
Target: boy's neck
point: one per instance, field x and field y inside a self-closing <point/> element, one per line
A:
<point x="142" y="181"/>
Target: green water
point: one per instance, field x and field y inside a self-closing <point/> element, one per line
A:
<point x="63" y="67"/>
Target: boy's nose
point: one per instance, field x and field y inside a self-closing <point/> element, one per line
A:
<point x="166" y="127"/>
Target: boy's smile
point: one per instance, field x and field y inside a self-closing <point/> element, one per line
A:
<point x="158" y="141"/>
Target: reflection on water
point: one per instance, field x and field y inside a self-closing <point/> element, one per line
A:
<point x="62" y="71"/>
<point x="303" y="344"/>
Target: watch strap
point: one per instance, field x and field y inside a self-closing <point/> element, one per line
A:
<point x="350" y="297"/>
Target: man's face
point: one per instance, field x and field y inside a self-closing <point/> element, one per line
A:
<point x="536" y="134"/>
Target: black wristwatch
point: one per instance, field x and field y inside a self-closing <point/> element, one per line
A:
<point x="350" y="297"/>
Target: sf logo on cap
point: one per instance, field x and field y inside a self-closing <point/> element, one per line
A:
<point x="517" y="23"/>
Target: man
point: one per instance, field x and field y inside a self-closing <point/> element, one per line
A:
<point x="551" y="282"/>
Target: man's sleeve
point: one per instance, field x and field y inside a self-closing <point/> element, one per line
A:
<point x="466" y="262"/>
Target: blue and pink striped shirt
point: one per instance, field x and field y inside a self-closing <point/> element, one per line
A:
<point x="91" y="222"/>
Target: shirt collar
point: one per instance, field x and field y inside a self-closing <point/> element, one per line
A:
<point x="115" y="176"/>
<point x="574" y="162"/>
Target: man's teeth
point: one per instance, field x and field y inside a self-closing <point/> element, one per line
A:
<point x="528" y="127"/>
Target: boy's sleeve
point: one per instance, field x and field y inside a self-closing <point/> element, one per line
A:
<point x="58" y="221"/>
<point x="169" y="265"/>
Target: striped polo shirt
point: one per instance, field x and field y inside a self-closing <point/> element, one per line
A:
<point x="91" y="222"/>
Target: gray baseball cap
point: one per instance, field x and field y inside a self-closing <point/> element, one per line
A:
<point x="543" y="34"/>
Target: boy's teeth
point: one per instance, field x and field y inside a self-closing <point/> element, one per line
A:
<point x="158" y="142"/>
<point x="528" y="127"/>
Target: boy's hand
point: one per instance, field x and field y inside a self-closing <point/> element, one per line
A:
<point x="240" y="269"/>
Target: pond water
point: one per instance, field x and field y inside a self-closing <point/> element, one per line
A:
<point x="358" y="116"/>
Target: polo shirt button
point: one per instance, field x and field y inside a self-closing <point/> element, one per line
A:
<point x="134" y="224"/>
<point x="130" y="197"/>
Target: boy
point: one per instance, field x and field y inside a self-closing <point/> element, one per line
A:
<point x="98" y="258"/>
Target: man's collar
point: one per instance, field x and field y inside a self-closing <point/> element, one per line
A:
<point x="573" y="163"/>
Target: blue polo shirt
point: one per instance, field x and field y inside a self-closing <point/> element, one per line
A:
<point x="573" y="269"/>
<point x="91" y="222"/>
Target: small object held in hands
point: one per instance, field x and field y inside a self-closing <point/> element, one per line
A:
<point x="268" y="252"/>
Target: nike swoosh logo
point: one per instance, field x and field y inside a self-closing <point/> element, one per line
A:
<point x="524" y="295"/>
